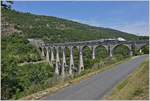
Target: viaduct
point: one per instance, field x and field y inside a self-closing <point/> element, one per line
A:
<point x="53" y="58"/>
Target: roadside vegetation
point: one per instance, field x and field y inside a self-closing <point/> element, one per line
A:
<point x="135" y="87"/>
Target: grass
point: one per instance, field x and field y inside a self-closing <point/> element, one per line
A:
<point x="135" y="87"/>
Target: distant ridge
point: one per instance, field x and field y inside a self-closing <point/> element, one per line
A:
<point x="55" y="29"/>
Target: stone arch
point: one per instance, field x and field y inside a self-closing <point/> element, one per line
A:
<point x="123" y="49"/>
<point x="40" y="49"/>
<point x="44" y="49"/>
<point x="57" y="50"/>
<point x="114" y="46"/>
<point x="101" y="51"/>
<point x="52" y="52"/>
<point x="61" y="48"/>
<point x="47" y="54"/>
<point x="67" y="57"/>
<point x="139" y="46"/>
<point x="75" y="50"/>
<point x="87" y="56"/>
<point x="144" y="49"/>
<point x="73" y="47"/>
<point x="87" y="46"/>
<point x="67" y="51"/>
<point x="105" y="46"/>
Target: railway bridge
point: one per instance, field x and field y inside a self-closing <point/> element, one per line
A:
<point x="53" y="58"/>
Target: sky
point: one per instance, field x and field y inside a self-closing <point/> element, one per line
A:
<point x="127" y="16"/>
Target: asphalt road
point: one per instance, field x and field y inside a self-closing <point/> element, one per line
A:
<point x="98" y="85"/>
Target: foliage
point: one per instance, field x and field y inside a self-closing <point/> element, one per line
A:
<point x="143" y="37"/>
<point x="54" y="29"/>
<point x="6" y="4"/>
<point x="121" y="51"/>
<point x="16" y="49"/>
<point x="145" y="49"/>
<point x="19" y="79"/>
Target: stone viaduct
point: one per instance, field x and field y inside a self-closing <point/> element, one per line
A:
<point x="53" y="58"/>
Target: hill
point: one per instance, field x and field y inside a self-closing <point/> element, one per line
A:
<point x="54" y="29"/>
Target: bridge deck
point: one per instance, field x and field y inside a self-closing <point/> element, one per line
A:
<point x="94" y="42"/>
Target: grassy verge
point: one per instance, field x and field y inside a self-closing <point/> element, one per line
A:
<point x="84" y="75"/>
<point x="135" y="87"/>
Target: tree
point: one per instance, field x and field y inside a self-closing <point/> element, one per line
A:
<point x="6" y="4"/>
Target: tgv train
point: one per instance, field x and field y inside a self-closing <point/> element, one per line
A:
<point x="117" y="39"/>
<point x="102" y="40"/>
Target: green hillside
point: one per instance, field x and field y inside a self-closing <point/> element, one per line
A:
<point x="54" y="29"/>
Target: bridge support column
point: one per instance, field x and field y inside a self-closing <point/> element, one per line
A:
<point x="140" y="50"/>
<point x="63" y="62"/>
<point x="130" y="50"/>
<point x="57" y="62"/>
<point x="81" y="65"/>
<point x="42" y="51"/>
<point x="47" y="55"/>
<point x="110" y="49"/>
<point x="71" y="61"/>
<point x="131" y="53"/>
<point x="52" y="55"/>
<point x="93" y="52"/>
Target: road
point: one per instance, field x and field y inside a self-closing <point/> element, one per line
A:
<point x="98" y="85"/>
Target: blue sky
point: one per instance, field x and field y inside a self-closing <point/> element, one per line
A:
<point x="128" y="16"/>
